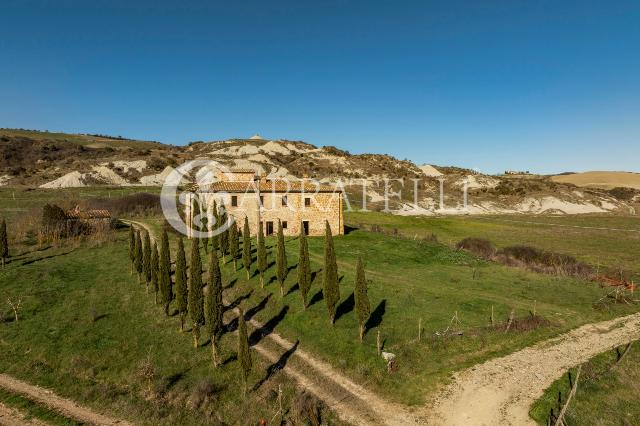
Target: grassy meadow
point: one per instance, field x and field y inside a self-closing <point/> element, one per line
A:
<point x="614" y="245"/>
<point x="89" y="331"/>
<point x="605" y="396"/>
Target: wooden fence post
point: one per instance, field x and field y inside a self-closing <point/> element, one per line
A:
<point x="563" y="411"/>
<point x="510" y="320"/>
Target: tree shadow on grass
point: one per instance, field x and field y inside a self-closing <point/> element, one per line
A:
<point x="346" y="306"/>
<point x="314" y="275"/>
<point x="238" y="300"/>
<point x="231" y="326"/>
<point x="316" y="298"/>
<point x="231" y="284"/>
<point x="293" y="288"/>
<point x="231" y="359"/>
<point x="349" y="229"/>
<point x="29" y="262"/>
<point x="99" y="317"/>
<point x="278" y="365"/>
<point x="259" y="307"/>
<point x="375" y="319"/>
<point x="171" y="380"/>
<point x="268" y="327"/>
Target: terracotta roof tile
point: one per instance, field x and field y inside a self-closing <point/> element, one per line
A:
<point x="88" y="214"/>
<point x="269" y="186"/>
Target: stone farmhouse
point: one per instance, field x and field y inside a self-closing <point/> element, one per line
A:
<point x="297" y="203"/>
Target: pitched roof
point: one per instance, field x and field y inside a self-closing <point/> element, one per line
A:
<point x="239" y="171"/>
<point x="269" y="186"/>
<point x="88" y="214"/>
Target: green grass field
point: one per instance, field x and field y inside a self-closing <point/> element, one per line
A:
<point x="86" y="326"/>
<point x="17" y="202"/>
<point x="604" y="396"/>
<point x="613" y="247"/>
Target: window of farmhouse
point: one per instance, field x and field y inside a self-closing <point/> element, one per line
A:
<point x="307" y="202"/>
<point x="234" y="201"/>
<point x="284" y="200"/>
<point x="284" y="224"/>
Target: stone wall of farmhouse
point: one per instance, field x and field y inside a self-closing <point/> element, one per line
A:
<point x="323" y="206"/>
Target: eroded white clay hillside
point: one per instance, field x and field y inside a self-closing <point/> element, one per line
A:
<point x="57" y="160"/>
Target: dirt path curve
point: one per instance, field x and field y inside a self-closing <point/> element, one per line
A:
<point x="501" y="391"/>
<point x="350" y="401"/>
<point x="11" y="417"/>
<point x="64" y="406"/>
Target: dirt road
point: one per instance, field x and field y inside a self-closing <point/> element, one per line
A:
<point x="498" y="392"/>
<point x="12" y="417"/>
<point x="56" y="403"/>
<point x="501" y="391"/>
<point x="350" y="401"/>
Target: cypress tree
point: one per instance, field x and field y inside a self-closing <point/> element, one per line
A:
<point x="195" y="302"/>
<point x="181" y="283"/>
<point x="139" y="256"/>
<point x="164" y="273"/>
<point x="213" y="307"/>
<point x="363" y="308"/>
<point x="244" y="352"/>
<point x="304" y="268"/>
<point x="246" y="248"/>
<point x="4" y="242"/>
<point x="224" y="235"/>
<point x="234" y="244"/>
<point x="154" y="270"/>
<point x="205" y="228"/>
<point x="146" y="260"/>
<point x="330" y="275"/>
<point x="215" y="241"/>
<point x="262" y="255"/>
<point x="132" y="247"/>
<point x="281" y="260"/>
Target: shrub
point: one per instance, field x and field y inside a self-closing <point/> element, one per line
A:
<point x="477" y="246"/>
<point x="621" y="193"/>
<point x="543" y="261"/>
<point x="203" y="394"/>
<point x="306" y="409"/>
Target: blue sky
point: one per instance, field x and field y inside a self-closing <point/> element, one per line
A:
<point x="546" y="86"/>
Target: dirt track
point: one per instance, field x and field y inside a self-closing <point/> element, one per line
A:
<point x="64" y="406"/>
<point x="12" y="417"/>
<point x="350" y="401"/>
<point x="498" y="392"/>
<point x="501" y="391"/>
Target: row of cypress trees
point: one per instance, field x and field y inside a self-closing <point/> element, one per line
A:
<point x="331" y="287"/>
<point x="204" y="309"/>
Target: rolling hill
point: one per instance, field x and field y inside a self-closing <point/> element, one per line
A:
<point x="31" y="159"/>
